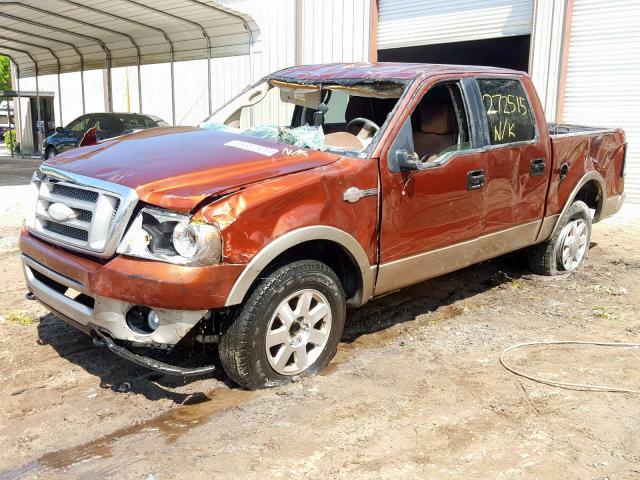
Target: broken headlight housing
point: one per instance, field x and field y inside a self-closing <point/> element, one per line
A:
<point x="172" y="237"/>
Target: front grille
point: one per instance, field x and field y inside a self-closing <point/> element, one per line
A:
<point x="86" y="215"/>
<point x="66" y="230"/>
<point x="95" y="217"/>
<point x="77" y="193"/>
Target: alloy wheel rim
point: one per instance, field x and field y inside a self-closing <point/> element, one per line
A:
<point x="298" y="332"/>
<point x="573" y="244"/>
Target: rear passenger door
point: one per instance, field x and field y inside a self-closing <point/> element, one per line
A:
<point x="518" y="161"/>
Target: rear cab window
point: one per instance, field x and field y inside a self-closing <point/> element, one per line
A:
<point x="507" y="111"/>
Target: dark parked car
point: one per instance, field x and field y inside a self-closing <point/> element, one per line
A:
<point x="107" y="125"/>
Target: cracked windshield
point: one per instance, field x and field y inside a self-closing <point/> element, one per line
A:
<point x="341" y="118"/>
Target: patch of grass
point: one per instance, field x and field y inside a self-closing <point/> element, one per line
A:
<point x="19" y="317"/>
<point x="607" y="290"/>
<point x="605" y="313"/>
<point x="516" y="284"/>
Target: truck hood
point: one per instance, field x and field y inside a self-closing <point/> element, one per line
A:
<point x="178" y="167"/>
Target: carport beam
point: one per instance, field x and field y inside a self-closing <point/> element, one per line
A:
<point x="19" y="107"/>
<point x="100" y="43"/>
<point x="63" y="43"/>
<point x="35" y="64"/>
<point x="52" y="53"/>
<point x="11" y="141"/>
<point x="36" y="150"/>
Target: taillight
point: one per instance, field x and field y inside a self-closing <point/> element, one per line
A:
<point x="624" y="159"/>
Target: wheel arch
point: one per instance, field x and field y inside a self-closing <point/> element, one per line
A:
<point x="292" y="245"/>
<point x="590" y="189"/>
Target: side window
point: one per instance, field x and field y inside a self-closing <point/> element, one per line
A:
<point x="508" y="112"/>
<point x="103" y="125"/>
<point x="337" y="105"/>
<point x="440" y="123"/>
<point x="78" y="126"/>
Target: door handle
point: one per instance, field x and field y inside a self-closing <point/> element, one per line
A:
<point x="537" y="167"/>
<point x="475" y="179"/>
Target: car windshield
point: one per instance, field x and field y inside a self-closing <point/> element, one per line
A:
<point x="138" y="122"/>
<point x="339" y="117"/>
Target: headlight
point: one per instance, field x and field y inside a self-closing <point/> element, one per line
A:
<point x="172" y="237"/>
<point x="32" y="201"/>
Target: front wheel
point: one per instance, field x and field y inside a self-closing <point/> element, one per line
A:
<point x="290" y="325"/>
<point x="567" y="249"/>
<point x="50" y="153"/>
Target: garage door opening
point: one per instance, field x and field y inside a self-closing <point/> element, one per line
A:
<point x="505" y="52"/>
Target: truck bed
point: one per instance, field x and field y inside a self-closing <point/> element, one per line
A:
<point x="584" y="149"/>
<point x="560" y="129"/>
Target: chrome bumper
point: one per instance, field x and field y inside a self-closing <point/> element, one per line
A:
<point x="109" y="314"/>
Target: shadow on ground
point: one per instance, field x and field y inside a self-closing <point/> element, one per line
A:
<point x="379" y="314"/>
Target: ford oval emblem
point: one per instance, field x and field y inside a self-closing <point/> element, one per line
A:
<point x="61" y="212"/>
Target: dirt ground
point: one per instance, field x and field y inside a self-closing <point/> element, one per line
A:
<point x="416" y="390"/>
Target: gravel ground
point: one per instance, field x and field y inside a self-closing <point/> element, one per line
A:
<point x="416" y="390"/>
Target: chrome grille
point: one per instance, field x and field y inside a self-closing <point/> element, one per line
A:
<point x="77" y="193"/>
<point x="66" y="230"/>
<point x="96" y="211"/>
<point x="86" y="215"/>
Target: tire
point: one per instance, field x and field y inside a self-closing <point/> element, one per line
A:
<point x="50" y="152"/>
<point x="274" y="315"/>
<point x="559" y="255"/>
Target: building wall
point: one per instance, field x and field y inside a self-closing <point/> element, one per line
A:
<point x="603" y="74"/>
<point x="545" y="58"/>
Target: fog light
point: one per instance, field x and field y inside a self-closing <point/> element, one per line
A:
<point x="153" y="320"/>
<point x="142" y="319"/>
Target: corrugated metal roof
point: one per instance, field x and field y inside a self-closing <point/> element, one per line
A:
<point x="65" y="35"/>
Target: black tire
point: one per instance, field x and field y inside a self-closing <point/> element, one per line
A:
<point x="242" y="346"/>
<point x="50" y="152"/>
<point x="543" y="258"/>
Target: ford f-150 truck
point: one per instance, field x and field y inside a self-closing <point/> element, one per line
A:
<point x="316" y="189"/>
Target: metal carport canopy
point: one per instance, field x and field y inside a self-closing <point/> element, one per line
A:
<point x="58" y="36"/>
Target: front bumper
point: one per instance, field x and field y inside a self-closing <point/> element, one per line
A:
<point x="88" y="292"/>
<point x="137" y="281"/>
<point x="73" y="302"/>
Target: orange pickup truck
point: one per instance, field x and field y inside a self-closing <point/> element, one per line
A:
<point x="316" y="189"/>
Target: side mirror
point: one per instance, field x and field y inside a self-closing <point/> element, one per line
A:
<point x="409" y="161"/>
<point x="318" y="116"/>
<point x="60" y="130"/>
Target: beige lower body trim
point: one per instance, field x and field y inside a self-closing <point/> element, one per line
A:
<point x="611" y="206"/>
<point x="408" y="271"/>
<point x="547" y="227"/>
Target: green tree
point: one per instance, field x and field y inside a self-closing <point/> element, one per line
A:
<point x="5" y="73"/>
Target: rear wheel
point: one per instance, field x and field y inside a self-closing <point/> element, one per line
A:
<point x="290" y="325"/>
<point x="567" y="249"/>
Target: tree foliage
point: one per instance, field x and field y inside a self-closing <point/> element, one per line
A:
<point x="5" y="73"/>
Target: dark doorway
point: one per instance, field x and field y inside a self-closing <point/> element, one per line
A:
<point x="505" y="52"/>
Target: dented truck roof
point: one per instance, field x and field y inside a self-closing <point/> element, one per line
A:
<point x="382" y="71"/>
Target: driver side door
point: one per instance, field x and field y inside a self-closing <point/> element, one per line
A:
<point x="431" y="217"/>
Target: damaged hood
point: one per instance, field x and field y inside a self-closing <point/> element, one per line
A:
<point x="178" y="167"/>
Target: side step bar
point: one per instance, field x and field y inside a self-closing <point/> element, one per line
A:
<point x="103" y="340"/>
